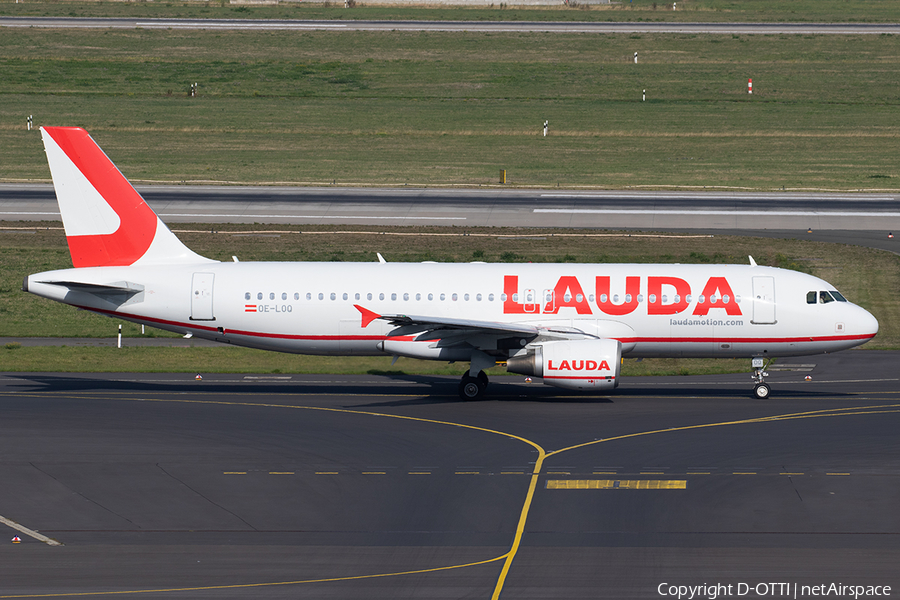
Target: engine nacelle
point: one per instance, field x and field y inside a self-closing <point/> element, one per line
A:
<point x="574" y="365"/>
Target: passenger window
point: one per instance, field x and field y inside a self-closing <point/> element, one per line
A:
<point x="345" y="296"/>
<point x="381" y="296"/>
<point x="394" y="296"/>
<point x="811" y="297"/>
<point x="308" y="296"/>
<point x="321" y="296"/>
<point x="406" y="296"/>
<point x="712" y="299"/>
<point x="356" y="296"/>
<point x="430" y="297"/>
<point x="271" y="295"/>
<point x="466" y="297"/>
<point x="296" y="295"/>
<point x="502" y="297"/>
<point x="259" y="296"/>
<point x="284" y="295"/>
<point x="443" y="296"/>
<point x="825" y="297"/>
<point x="490" y="297"/>
<point x="478" y="297"/>
<point x="369" y="296"/>
<point x="454" y="297"/>
<point x="418" y="297"/>
<point x="247" y="296"/>
<point x="726" y="298"/>
<point x="333" y="296"/>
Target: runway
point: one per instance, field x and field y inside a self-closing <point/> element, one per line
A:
<point x="470" y="26"/>
<point x="289" y="486"/>
<point x="493" y="207"/>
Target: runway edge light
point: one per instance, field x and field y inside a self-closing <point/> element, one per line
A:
<point x="199" y="377"/>
<point x="16" y="540"/>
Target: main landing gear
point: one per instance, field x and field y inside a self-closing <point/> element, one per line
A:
<point x="472" y="388"/>
<point x="761" y="390"/>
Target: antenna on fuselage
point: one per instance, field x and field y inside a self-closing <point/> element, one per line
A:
<point x="752" y="262"/>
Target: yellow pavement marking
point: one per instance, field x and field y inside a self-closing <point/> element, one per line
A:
<point x="234" y="473"/>
<point x="744" y="473"/>
<point x="699" y="473"/>
<point x="837" y="473"/>
<point x="374" y="473"/>
<point x="616" y="484"/>
<point x="284" y="473"/>
<point x="258" y="585"/>
<point x="419" y="473"/>
<point x="468" y="473"/>
<point x="327" y="473"/>
<point x="790" y="473"/>
<point x="538" y="465"/>
<point x="651" y="473"/>
<point x="604" y="473"/>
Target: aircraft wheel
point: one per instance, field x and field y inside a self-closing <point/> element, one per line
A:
<point x="471" y="388"/>
<point x="761" y="391"/>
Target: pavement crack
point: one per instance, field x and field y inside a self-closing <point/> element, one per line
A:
<point x="214" y="503"/>
<point x="91" y="500"/>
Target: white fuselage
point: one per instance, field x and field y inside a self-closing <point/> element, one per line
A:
<point x="310" y="308"/>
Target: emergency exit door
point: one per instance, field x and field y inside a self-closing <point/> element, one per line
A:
<point x="763" y="300"/>
<point x="202" y="297"/>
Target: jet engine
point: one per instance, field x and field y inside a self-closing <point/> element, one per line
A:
<point x="572" y="364"/>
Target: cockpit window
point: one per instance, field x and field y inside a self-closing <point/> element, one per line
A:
<point x="825" y="297"/>
<point x="837" y="296"/>
<point x="811" y="297"/>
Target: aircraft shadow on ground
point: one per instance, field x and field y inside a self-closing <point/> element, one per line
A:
<point x="410" y="390"/>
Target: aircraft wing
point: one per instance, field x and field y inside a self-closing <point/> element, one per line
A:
<point x="432" y="328"/>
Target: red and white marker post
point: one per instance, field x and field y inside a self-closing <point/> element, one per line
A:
<point x="750" y="86"/>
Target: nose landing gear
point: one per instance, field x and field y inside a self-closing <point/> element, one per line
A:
<point x="761" y="390"/>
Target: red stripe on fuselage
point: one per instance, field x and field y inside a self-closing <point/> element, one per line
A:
<point x="409" y="338"/>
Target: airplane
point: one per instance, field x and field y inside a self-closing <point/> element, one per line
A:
<point x="570" y="325"/>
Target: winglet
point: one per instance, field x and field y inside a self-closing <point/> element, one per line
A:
<point x="367" y="315"/>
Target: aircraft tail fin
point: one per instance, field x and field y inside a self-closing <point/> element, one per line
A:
<point x="107" y="222"/>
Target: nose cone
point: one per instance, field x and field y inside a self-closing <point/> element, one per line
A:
<point x="863" y="325"/>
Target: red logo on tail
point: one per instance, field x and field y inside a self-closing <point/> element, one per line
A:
<point x="137" y="226"/>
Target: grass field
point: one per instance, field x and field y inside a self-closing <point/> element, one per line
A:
<point x="755" y="11"/>
<point x="452" y="109"/>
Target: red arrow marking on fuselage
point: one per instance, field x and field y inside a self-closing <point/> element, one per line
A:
<point x="367" y="315"/>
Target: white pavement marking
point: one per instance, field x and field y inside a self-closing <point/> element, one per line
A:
<point x="719" y="196"/>
<point x="261" y="25"/>
<point x="749" y="213"/>
<point x="165" y="214"/>
<point x="29" y="532"/>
